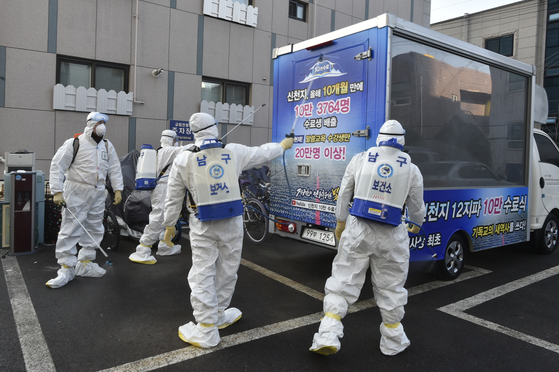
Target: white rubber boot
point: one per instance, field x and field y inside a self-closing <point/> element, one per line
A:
<point x="327" y="340"/>
<point x="228" y="317"/>
<point x="65" y="274"/>
<point x="142" y="255"/>
<point x="393" y="339"/>
<point x="89" y="269"/>
<point x="201" y="335"/>
<point x="164" y="250"/>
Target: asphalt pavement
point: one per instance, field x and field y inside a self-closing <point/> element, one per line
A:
<point x="500" y="314"/>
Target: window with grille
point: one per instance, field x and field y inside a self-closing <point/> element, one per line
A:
<point x="92" y="74"/>
<point x="297" y="10"/>
<point x="214" y="90"/>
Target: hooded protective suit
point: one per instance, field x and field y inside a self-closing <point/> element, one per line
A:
<point x="216" y="244"/>
<point x="366" y="243"/>
<point x="154" y="230"/>
<point x="84" y="194"/>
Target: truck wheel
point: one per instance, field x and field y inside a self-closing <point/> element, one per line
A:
<point x="548" y="236"/>
<point x="451" y="266"/>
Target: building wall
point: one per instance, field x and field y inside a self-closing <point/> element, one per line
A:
<point x="525" y="19"/>
<point x="171" y="34"/>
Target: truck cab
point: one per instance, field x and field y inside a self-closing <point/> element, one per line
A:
<point x="544" y="193"/>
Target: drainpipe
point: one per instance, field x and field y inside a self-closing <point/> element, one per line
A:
<point x="136" y="56"/>
<point x="465" y="27"/>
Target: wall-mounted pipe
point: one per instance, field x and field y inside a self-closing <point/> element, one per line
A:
<point x="136" y="55"/>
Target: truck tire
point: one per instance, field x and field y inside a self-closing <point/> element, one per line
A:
<point x="547" y="237"/>
<point x="450" y="267"/>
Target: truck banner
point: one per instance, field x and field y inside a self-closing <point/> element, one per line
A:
<point x="323" y="100"/>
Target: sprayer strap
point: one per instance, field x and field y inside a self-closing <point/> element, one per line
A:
<point x="197" y="149"/>
<point x="164" y="170"/>
<point x="192" y="204"/>
<point x="77" y="147"/>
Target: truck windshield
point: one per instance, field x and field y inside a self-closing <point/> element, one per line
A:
<point x="458" y="110"/>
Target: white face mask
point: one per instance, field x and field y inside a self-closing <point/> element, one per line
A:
<point x="101" y="130"/>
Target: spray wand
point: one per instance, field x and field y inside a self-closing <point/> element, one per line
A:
<point x="84" y="229"/>
<point x="245" y="119"/>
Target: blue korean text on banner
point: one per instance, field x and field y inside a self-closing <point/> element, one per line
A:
<point x="324" y="96"/>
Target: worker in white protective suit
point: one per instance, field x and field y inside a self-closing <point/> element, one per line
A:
<point x="154" y="230"/>
<point x="83" y="193"/>
<point x="380" y="180"/>
<point x="216" y="228"/>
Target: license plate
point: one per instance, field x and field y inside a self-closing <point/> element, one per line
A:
<point x="324" y="237"/>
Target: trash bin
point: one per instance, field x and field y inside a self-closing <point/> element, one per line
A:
<point x="22" y="212"/>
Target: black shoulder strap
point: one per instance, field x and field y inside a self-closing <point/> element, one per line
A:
<point x="197" y="149"/>
<point x="192" y="204"/>
<point x="164" y="170"/>
<point x="76" y="148"/>
<point x="107" y="147"/>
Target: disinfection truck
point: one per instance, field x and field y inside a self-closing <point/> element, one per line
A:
<point x="491" y="178"/>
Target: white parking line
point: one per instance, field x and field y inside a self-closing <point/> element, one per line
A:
<point x="190" y="352"/>
<point x="282" y="279"/>
<point x="36" y="354"/>
<point x="458" y="308"/>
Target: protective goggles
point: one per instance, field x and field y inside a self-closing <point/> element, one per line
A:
<point x="99" y="117"/>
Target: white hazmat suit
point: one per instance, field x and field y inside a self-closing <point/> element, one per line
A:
<point x="83" y="192"/>
<point x="154" y="230"/>
<point x="216" y="244"/>
<point x="366" y="243"/>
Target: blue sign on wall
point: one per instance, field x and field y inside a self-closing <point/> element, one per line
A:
<point x="183" y="130"/>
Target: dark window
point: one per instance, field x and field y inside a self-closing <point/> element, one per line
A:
<point x="503" y="45"/>
<point x="551" y="81"/>
<point x="547" y="150"/>
<point x="92" y="74"/>
<point x="297" y="10"/>
<point x="484" y="131"/>
<point x="246" y="2"/>
<point x="230" y="92"/>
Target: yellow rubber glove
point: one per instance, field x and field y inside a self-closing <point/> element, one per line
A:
<point x="118" y="197"/>
<point x="287" y="143"/>
<point x="414" y="229"/>
<point x="340" y="227"/>
<point x="169" y="234"/>
<point x="58" y="199"/>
